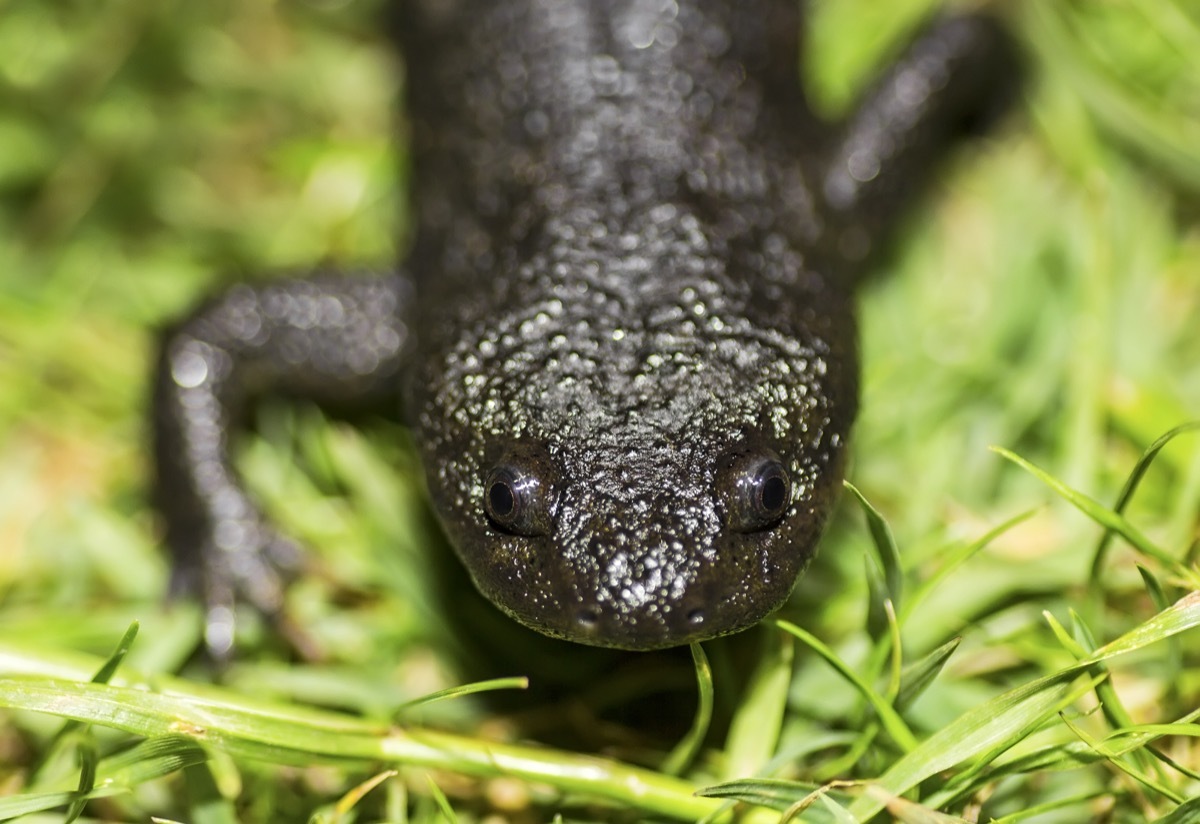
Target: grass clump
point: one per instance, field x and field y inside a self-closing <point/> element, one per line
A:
<point x="992" y="637"/>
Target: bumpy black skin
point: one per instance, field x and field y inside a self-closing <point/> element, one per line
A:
<point x="635" y="263"/>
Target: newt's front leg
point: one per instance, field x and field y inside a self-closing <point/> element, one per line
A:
<point x="956" y="77"/>
<point x="330" y="338"/>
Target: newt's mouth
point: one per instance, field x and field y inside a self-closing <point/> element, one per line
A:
<point x="656" y="627"/>
<point x="655" y="597"/>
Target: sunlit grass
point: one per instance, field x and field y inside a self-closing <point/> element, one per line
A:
<point x="954" y="650"/>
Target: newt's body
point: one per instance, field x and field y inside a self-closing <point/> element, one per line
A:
<point x="625" y="337"/>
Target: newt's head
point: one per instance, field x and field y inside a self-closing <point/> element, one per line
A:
<point x="638" y="483"/>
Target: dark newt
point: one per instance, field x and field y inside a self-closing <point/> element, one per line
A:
<point x="625" y="337"/>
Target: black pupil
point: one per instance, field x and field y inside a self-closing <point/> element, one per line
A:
<point x="501" y="498"/>
<point x="774" y="493"/>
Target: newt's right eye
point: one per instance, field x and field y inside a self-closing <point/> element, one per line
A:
<point x="754" y="489"/>
<point x="519" y="492"/>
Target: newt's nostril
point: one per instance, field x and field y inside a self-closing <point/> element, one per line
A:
<point x="587" y="617"/>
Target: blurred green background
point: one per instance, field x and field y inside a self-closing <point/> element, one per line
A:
<point x="150" y="151"/>
<point x="1045" y="299"/>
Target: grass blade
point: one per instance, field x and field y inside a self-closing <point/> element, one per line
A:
<point x="1127" y="492"/>
<point x="772" y="793"/>
<point x="688" y="747"/>
<point x="1106" y="518"/>
<point x="754" y="731"/>
<point x="888" y="717"/>
<point x="917" y="677"/>
<point x="515" y="683"/>
<point x="886" y="551"/>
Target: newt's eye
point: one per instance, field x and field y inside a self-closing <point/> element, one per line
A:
<point x="753" y="488"/>
<point x="518" y="493"/>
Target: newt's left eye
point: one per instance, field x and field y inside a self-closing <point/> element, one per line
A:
<point x="519" y="494"/>
<point x="753" y="488"/>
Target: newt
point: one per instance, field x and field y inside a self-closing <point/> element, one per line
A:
<point x="625" y="337"/>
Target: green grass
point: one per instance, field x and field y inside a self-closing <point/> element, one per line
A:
<point x="991" y="637"/>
